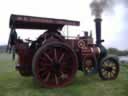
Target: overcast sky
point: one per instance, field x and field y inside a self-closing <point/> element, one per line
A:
<point x="114" y="23"/>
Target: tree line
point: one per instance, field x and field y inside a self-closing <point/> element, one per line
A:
<point x="3" y="48"/>
<point x="118" y="52"/>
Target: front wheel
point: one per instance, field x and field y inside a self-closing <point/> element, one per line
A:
<point x="109" y="68"/>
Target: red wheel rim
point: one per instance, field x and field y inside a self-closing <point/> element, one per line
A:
<point x="55" y="65"/>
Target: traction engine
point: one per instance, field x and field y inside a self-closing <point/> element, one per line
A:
<point x="52" y="59"/>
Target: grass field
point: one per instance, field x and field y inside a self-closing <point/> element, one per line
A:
<point x="12" y="84"/>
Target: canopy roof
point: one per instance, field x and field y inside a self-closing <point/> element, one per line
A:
<point x="30" y="22"/>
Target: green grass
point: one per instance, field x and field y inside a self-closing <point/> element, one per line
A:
<point x="12" y="84"/>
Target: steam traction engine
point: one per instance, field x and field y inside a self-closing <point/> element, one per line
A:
<point x="52" y="59"/>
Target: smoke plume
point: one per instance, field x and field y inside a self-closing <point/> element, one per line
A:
<point x="99" y="6"/>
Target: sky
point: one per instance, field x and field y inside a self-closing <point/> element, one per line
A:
<point x="114" y="22"/>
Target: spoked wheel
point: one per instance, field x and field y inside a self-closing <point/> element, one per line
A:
<point x="54" y="65"/>
<point x="109" y="69"/>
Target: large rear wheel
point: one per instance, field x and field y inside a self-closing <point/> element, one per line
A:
<point x="54" y="65"/>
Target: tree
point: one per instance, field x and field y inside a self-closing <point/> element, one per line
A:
<point x="117" y="52"/>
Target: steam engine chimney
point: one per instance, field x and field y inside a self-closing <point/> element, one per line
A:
<point x="98" y="31"/>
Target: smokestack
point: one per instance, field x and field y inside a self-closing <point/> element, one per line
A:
<point x="98" y="31"/>
<point x="97" y="8"/>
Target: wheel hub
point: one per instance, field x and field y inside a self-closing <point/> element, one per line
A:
<point x="108" y="69"/>
<point x="56" y="65"/>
